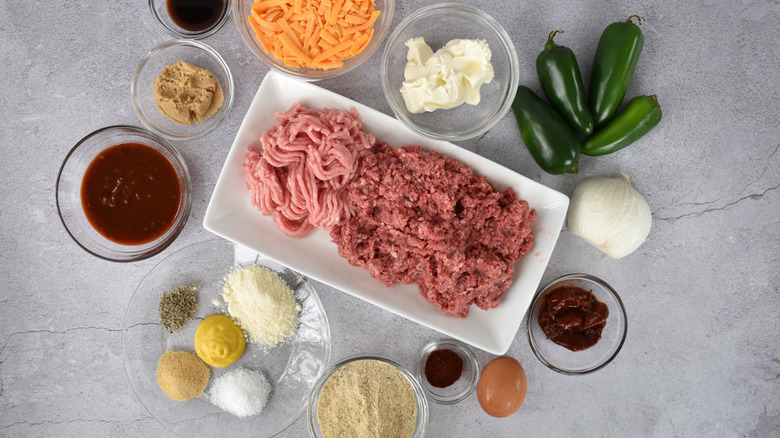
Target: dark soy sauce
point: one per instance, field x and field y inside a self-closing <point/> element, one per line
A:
<point x="195" y="15"/>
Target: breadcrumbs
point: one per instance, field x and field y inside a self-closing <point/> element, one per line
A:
<point x="367" y="398"/>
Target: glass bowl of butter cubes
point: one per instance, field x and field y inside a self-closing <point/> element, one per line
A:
<point x="450" y="71"/>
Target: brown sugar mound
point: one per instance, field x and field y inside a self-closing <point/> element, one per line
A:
<point x="187" y="94"/>
<point x="182" y="375"/>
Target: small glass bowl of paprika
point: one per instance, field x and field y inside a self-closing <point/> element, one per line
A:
<point x="448" y="371"/>
<point x="586" y="320"/>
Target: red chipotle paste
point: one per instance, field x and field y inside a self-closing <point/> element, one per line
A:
<point x="572" y="317"/>
<point x="130" y="193"/>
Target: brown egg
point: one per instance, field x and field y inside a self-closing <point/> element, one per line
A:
<point x="502" y="386"/>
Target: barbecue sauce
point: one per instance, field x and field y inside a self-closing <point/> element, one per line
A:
<point x="131" y="194"/>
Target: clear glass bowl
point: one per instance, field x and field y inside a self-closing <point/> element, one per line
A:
<point x="162" y="16"/>
<point x="243" y="8"/>
<point x="68" y="193"/>
<point x="439" y="24"/>
<point x="563" y="360"/>
<point x="292" y="367"/>
<point x="150" y="67"/>
<point x="464" y="386"/>
<point x="419" y="395"/>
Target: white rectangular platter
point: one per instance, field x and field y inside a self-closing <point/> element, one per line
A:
<point x="231" y="215"/>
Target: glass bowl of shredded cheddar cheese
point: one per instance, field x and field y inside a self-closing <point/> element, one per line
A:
<point x="313" y="39"/>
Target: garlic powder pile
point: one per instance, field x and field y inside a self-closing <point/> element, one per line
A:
<point x="262" y="304"/>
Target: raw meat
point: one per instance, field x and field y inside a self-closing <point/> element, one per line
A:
<point x="421" y="217"/>
<point x="299" y="176"/>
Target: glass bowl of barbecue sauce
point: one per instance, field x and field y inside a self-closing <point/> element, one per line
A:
<point x="576" y="324"/>
<point x="123" y="193"/>
<point x="193" y="19"/>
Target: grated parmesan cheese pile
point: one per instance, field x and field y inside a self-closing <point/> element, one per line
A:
<point x="262" y="304"/>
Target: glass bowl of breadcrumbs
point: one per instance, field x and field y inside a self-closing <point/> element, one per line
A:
<point x="364" y="395"/>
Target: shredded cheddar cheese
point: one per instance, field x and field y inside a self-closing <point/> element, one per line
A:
<point x="316" y="34"/>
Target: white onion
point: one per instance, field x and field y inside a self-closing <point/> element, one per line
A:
<point x="609" y="214"/>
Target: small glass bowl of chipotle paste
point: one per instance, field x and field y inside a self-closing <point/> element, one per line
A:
<point x="123" y="193"/>
<point x="576" y="324"/>
<point x="448" y="371"/>
<point x="194" y="19"/>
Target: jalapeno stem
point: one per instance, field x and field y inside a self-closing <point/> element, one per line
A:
<point x="550" y="43"/>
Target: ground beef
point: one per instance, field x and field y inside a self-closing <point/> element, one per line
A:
<point x="421" y="217"/>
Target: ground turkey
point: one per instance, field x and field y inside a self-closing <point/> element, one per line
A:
<point x="424" y="218"/>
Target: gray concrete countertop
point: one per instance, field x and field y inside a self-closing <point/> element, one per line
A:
<point x="702" y="355"/>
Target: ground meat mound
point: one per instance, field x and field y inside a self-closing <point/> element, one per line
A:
<point x="299" y="176"/>
<point x="424" y="218"/>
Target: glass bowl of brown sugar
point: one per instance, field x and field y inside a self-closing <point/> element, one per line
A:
<point x="448" y="371"/>
<point x="182" y="90"/>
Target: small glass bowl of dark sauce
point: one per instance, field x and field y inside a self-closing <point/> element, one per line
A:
<point x="576" y="324"/>
<point x="193" y="19"/>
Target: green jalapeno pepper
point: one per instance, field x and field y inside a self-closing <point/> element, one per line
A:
<point x="561" y="80"/>
<point x="550" y="140"/>
<point x="640" y="115"/>
<point x="613" y="67"/>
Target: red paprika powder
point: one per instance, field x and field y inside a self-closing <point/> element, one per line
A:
<point x="443" y="368"/>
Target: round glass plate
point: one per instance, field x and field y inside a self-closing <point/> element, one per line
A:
<point x="292" y="367"/>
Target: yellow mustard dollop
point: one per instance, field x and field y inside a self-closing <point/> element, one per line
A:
<point x="219" y="341"/>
